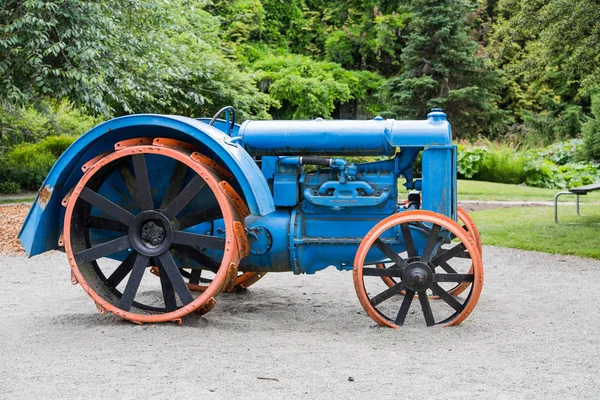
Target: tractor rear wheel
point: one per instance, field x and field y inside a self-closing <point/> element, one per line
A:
<point x="148" y="205"/>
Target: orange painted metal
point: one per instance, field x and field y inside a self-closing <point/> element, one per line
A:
<point x="207" y="306"/>
<point x="242" y="240"/>
<point x="248" y="279"/>
<point x="470" y="224"/>
<point x="85" y="167"/>
<point x="132" y="142"/>
<point x="474" y="232"/>
<point x="215" y="166"/>
<point x="176" y="144"/>
<point x="231" y="256"/>
<point x="412" y="216"/>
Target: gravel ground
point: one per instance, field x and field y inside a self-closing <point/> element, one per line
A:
<point x="534" y="334"/>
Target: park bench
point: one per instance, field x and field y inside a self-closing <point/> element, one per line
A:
<point x="577" y="191"/>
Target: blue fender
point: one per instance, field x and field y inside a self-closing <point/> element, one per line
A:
<point x="43" y="225"/>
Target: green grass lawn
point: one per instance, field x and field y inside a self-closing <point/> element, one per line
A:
<point x="486" y="191"/>
<point x="19" y="200"/>
<point x="533" y="228"/>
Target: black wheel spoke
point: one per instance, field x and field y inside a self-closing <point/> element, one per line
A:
<point x="424" y="300"/>
<point x="195" y="276"/>
<point x="167" y="290"/>
<point x="390" y="253"/>
<point x="447" y="255"/>
<point x="175" y="185"/>
<point x="122" y="270"/>
<point x="408" y="240"/>
<point x="103" y="250"/>
<point x="432" y="241"/>
<point x="465" y="228"/>
<point x="386" y="294"/>
<point x="198" y="240"/>
<point x="169" y="266"/>
<point x="392" y="272"/>
<point x="453" y="277"/>
<point x="199" y="217"/>
<point x="184" y="198"/>
<point x="404" y="307"/>
<point x="129" y="181"/>
<point x="446" y="267"/>
<point x="451" y="301"/>
<point x="142" y="182"/>
<point x="137" y="273"/>
<point x="198" y="256"/>
<point x="106" y="224"/>
<point x="106" y="205"/>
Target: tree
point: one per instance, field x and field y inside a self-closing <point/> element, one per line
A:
<point x="121" y="57"/>
<point x="441" y="68"/>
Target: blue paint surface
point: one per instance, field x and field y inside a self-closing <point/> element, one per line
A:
<point x="302" y="219"/>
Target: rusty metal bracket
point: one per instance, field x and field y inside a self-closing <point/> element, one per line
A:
<point x="237" y="202"/>
<point x="90" y="164"/>
<point x="132" y="142"/>
<point x="178" y="144"/>
<point x="216" y="167"/>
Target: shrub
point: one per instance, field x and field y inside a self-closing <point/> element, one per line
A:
<point x="561" y="153"/>
<point x="28" y="164"/>
<point x="552" y="167"/>
<point x="590" y="132"/>
<point x="502" y="164"/>
<point x="469" y="160"/>
<point x="10" y="187"/>
<point x="56" y="145"/>
<point x="30" y="125"/>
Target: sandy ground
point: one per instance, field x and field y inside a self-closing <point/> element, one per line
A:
<point x="534" y="334"/>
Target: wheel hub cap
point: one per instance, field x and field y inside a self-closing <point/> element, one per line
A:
<point x="153" y="233"/>
<point x="150" y="233"/>
<point x="417" y="276"/>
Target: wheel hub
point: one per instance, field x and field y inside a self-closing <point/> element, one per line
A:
<point x="418" y="276"/>
<point x="153" y="233"/>
<point x="150" y="233"/>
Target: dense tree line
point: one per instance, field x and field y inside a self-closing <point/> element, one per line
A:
<point x="520" y="69"/>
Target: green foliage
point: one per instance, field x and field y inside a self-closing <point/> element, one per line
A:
<point x="10" y="187"/>
<point x="469" y="160"/>
<point x="502" y="164"/>
<point x="305" y="89"/>
<point x="590" y="150"/>
<point x="28" y="164"/>
<point x="441" y="69"/>
<point x="121" y="57"/>
<point x="29" y="124"/>
<point x="561" y="153"/>
<point x="518" y="69"/>
<point x="552" y="167"/>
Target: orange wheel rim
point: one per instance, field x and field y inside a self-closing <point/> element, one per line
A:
<point x="231" y="254"/>
<point x="474" y="232"/>
<point x="411" y="216"/>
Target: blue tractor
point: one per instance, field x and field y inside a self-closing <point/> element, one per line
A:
<point x="158" y="214"/>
